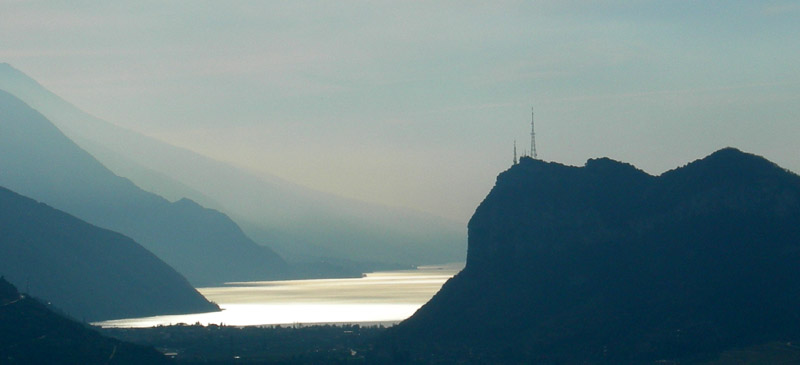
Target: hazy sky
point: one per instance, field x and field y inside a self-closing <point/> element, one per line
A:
<point x="417" y="103"/>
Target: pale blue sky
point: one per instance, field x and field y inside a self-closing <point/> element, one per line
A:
<point x="416" y="104"/>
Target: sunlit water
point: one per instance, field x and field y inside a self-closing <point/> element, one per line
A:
<point x="382" y="297"/>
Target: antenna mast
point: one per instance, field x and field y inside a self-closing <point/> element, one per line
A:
<point x="515" y="152"/>
<point x="533" y="137"/>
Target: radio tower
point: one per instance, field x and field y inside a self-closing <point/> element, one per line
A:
<point x="533" y="137"/>
<point x="515" y="152"/>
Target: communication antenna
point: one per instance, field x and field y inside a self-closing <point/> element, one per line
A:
<point x="515" y="152"/>
<point x="533" y="137"/>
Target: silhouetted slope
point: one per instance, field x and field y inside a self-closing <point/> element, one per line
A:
<point x="299" y="223"/>
<point x="606" y="263"/>
<point x="37" y="160"/>
<point x="89" y="272"/>
<point x="32" y="334"/>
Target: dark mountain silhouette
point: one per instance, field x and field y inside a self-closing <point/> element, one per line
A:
<point x="30" y="333"/>
<point x="88" y="272"/>
<point x="301" y="224"/>
<point x="605" y="263"/>
<point x="204" y="245"/>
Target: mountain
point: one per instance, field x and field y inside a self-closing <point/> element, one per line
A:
<point x="607" y="264"/>
<point x="88" y="272"/>
<point x="301" y="224"/>
<point x="30" y="333"/>
<point x="204" y="245"/>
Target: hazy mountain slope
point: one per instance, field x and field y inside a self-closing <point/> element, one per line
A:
<point x="604" y="263"/>
<point x="89" y="272"/>
<point x="30" y="333"/>
<point x="297" y="222"/>
<point x="37" y="160"/>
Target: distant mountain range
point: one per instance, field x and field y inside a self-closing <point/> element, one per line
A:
<point x="607" y="264"/>
<point x="301" y="224"/>
<point x="204" y="245"/>
<point x="30" y="333"/>
<point x="88" y="272"/>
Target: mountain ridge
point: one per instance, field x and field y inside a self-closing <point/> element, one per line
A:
<point x="297" y="222"/>
<point x="89" y="272"/>
<point x="39" y="161"/>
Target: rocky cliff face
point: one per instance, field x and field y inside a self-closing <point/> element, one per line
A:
<point x="607" y="263"/>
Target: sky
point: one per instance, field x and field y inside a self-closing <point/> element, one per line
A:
<point x="417" y="104"/>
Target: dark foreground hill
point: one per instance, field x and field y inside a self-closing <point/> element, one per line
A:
<point x="30" y="333"/>
<point x="204" y="245"/>
<point x="607" y="264"/>
<point x="88" y="272"/>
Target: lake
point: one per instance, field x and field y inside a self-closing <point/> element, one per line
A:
<point x="386" y="297"/>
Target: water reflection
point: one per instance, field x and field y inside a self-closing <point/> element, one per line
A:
<point x="381" y="297"/>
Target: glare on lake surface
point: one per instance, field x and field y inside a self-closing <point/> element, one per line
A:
<point x="382" y="297"/>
